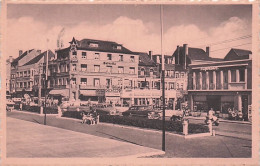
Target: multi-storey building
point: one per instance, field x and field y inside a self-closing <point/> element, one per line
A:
<point x="25" y="73"/>
<point x="221" y="84"/>
<point x="8" y="74"/>
<point x="93" y="70"/>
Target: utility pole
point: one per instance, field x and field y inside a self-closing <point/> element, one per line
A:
<point x="163" y="80"/>
<point x="46" y="81"/>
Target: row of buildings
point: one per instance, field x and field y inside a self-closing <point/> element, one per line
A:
<point x="105" y="71"/>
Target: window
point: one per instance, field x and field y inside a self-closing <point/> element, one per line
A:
<point x="182" y="75"/>
<point x="84" y="55"/>
<point x="109" y="56"/>
<point x="93" y="44"/>
<point x="60" y="81"/>
<point x="28" y="73"/>
<point x="171" y="85"/>
<point x="177" y="75"/>
<point x="74" y="53"/>
<point x="29" y="84"/>
<point x="109" y="69"/>
<point x="167" y="74"/>
<point x="121" y="58"/>
<point x="132" y="58"/>
<point x="120" y="69"/>
<point x="21" y="84"/>
<point x="96" y="68"/>
<point x="21" y="74"/>
<point x="83" y="81"/>
<point x="242" y="75"/>
<point x="132" y="70"/>
<point x="25" y="84"/>
<point x="74" y="67"/>
<point x="32" y="72"/>
<point x="142" y="72"/>
<point x="96" y="82"/>
<point x="96" y="56"/>
<point x="119" y="47"/>
<point x="73" y="81"/>
<point x="108" y="83"/>
<point x="151" y="72"/>
<point x="84" y="67"/>
<point x="171" y="73"/>
<point x="233" y="76"/>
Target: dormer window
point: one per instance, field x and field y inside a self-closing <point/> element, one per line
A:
<point x="93" y="44"/>
<point x="119" y="47"/>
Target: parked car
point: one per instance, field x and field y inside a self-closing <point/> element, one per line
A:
<point x="104" y="109"/>
<point x="9" y="105"/>
<point x="143" y="111"/>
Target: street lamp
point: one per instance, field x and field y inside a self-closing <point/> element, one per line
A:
<point x="163" y="80"/>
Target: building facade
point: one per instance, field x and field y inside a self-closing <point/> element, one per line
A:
<point x="93" y="70"/>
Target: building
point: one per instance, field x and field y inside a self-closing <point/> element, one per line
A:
<point x="8" y="74"/>
<point x="221" y="84"/>
<point x="27" y="71"/>
<point x="93" y="70"/>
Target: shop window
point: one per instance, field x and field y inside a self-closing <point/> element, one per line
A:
<point x="242" y="75"/>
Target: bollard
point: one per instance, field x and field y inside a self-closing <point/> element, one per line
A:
<point x="210" y="127"/>
<point x="41" y="110"/>
<point x="185" y="125"/>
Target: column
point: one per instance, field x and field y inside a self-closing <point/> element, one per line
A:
<point x="221" y="79"/>
<point x="229" y="77"/>
<point x="194" y="81"/>
<point x="246" y="78"/>
<point x="239" y="102"/>
<point x="191" y="102"/>
<point x="237" y="75"/>
<point x="207" y="80"/>
<point x="200" y="80"/>
<point x="214" y="79"/>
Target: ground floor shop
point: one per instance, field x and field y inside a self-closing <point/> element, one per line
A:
<point x="221" y="101"/>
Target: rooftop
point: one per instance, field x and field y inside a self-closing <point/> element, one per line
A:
<point x="21" y="56"/>
<point x="39" y="57"/>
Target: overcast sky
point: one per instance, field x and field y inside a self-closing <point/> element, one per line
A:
<point x="137" y="27"/>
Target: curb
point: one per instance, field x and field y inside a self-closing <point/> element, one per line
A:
<point x="143" y="155"/>
<point x="34" y="113"/>
<point x="159" y="131"/>
<point x="223" y="120"/>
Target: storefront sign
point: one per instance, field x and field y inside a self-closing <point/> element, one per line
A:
<point x="209" y="68"/>
<point x="109" y="63"/>
<point x="100" y="92"/>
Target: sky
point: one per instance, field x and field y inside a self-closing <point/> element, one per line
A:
<point x="137" y="27"/>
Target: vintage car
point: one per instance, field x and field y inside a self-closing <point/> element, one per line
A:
<point x="9" y="105"/>
<point x="143" y="111"/>
<point x="105" y="109"/>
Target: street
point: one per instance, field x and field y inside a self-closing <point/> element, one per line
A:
<point x="228" y="142"/>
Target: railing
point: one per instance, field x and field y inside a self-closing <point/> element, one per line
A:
<point x="211" y="86"/>
<point x="198" y="87"/>
<point x="90" y="87"/>
<point x="219" y="86"/>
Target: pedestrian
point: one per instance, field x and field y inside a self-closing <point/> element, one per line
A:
<point x="21" y="106"/>
<point x="59" y="111"/>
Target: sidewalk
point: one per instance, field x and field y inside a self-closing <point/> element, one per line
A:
<point x="35" y="140"/>
<point x="219" y="146"/>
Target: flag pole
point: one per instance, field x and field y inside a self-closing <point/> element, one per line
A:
<point x="163" y="80"/>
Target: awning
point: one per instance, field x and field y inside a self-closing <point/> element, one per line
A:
<point x="88" y="92"/>
<point x="60" y="92"/>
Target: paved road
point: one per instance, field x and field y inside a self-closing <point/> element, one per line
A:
<point x="28" y="139"/>
<point x="218" y="147"/>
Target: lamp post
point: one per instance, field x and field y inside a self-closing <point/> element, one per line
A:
<point x="163" y="80"/>
<point x="46" y="81"/>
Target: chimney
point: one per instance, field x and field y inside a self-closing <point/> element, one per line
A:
<point x="157" y="59"/>
<point x="151" y="54"/>
<point x="185" y="47"/>
<point x="177" y="58"/>
<point x="20" y="52"/>
<point x="11" y="59"/>
<point x="207" y="51"/>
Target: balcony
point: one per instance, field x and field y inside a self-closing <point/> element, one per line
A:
<point x="25" y="89"/>
<point x="198" y="87"/>
<point x="237" y="86"/>
<point x="204" y="86"/>
<point x="219" y="86"/>
<point x="211" y="86"/>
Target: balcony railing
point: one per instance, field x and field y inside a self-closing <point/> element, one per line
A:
<point x="90" y="87"/>
<point x="225" y="85"/>
<point x="198" y="87"/>
<point x="211" y="86"/>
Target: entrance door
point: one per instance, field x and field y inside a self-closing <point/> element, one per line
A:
<point x="245" y="105"/>
<point x="214" y="102"/>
